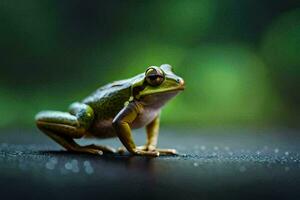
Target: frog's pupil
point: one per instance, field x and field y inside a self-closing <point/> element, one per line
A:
<point x="153" y="77"/>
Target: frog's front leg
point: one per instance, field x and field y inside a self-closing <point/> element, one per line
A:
<point x="152" y="130"/>
<point x="122" y="123"/>
<point x="63" y="127"/>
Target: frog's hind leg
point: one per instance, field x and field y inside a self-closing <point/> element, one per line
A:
<point x="64" y="127"/>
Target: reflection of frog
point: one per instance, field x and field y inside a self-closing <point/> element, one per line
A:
<point x="113" y="110"/>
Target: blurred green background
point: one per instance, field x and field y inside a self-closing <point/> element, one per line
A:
<point x="240" y="59"/>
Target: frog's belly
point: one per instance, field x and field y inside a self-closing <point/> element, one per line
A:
<point x="144" y="118"/>
<point x="102" y="128"/>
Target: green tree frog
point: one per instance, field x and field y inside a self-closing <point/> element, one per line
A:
<point x="113" y="110"/>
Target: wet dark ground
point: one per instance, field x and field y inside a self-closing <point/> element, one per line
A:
<point x="213" y="164"/>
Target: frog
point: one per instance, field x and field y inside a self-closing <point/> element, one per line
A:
<point x="114" y="110"/>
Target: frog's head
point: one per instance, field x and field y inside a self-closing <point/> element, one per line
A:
<point x="158" y="84"/>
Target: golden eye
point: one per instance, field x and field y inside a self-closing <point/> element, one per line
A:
<point x="154" y="77"/>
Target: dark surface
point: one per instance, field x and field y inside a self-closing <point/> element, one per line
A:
<point x="214" y="164"/>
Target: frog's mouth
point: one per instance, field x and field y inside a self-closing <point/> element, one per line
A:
<point x="161" y="92"/>
<point x="177" y="89"/>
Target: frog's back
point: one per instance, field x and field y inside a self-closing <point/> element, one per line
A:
<point x="106" y="103"/>
<point x="108" y="100"/>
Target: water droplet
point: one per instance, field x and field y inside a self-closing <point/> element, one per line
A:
<point x="276" y="150"/>
<point x="89" y="170"/>
<point x="286" y="153"/>
<point x="50" y="165"/>
<point x="74" y="162"/>
<point x="86" y="163"/>
<point x="258" y="152"/>
<point x="68" y="166"/>
<point x="195" y="164"/>
<point x="216" y="148"/>
<point x="227" y="148"/>
<point x="203" y="147"/>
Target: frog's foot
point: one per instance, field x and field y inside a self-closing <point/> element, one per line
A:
<point x="105" y="149"/>
<point x="154" y="149"/>
<point x="122" y="149"/>
<point x="144" y="148"/>
<point x="139" y="151"/>
<point x="146" y="153"/>
<point x="167" y="152"/>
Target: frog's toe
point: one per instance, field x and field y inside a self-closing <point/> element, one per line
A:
<point x="169" y="152"/>
<point x="95" y="152"/>
<point x="147" y="153"/>
<point x="121" y="150"/>
<point x="143" y="148"/>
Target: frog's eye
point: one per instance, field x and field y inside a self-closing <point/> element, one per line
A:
<point x="154" y="77"/>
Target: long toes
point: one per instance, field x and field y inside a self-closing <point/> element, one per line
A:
<point x="95" y="151"/>
<point x="167" y="151"/>
<point x="147" y="153"/>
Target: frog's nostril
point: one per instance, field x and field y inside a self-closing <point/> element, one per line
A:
<point x="180" y="81"/>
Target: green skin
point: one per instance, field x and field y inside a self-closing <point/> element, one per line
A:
<point x="112" y="111"/>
